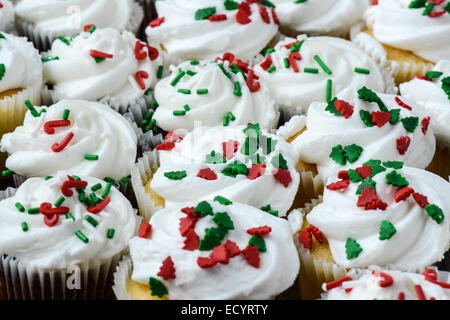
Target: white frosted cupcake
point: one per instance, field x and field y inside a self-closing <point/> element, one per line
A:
<point x="379" y="284"/>
<point x="6" y="16"/>
<point x="205" y="29"/>
<point x="80" y="137"/>
<point x="47" y="235"/>
<point x="307" y="69"/>
<point x="102" y="65"/>
<point x="209" y="250"/>
<point x="244" y="164"/>
<point x="319" y="17"/>
<point x="213" y="93"/>
<point x="43" y="21"/>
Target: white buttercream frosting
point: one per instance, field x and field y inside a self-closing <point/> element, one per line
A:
<point x="394" y="24"/>
<point x="418" y="239"/>
<point x="190" y="155"/>
<point x="237" y="279"/>
<point x="6" y="15"/>
<point x="297" y="90"/>
<point x="211" y="108"/>
<point x="58" y="246"/>
<point x="22" y="65"/>
<point x="98" y="130"/>
<point x="184" y="38"/>
<point x="77" y="75"/>
<point x="432" y="95"/>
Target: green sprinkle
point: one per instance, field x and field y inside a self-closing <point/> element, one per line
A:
<point x="396" y="179"/>
<point x="215" y="158"/>
<point x="110" y="180"/>
<point x="395" y="116"/>
<point x="329" y="89"/>
<point x="7" y="173"/>
<point x="186" y="108"/>
<point x="230" y="5"/>
<point x="160" y="71"/>
<point x="223" y="220"/>
<point x="354" y="176"/>
<point x="296" y="47"/>
<point x="202" y="91"/>
<point x="311" y="70"/>
<point x="225" y="72"/>
<point x="70" y="216"/>
<point x="435" y="213"/>
<point x="185" y="91"/>
<point x="146" y="92"/>
<point x="202" y="14"/>
<point x="287" y="65"/>
<point x="299" y="1"/>
<point x="237" y="89"/>
<point x="428" y="9"/>
<point x="92" y="29"/>
<point x="417" y="4"/>
<point x="234" y="169"/>
<point x="177" y="78"/>
<point x="352" y="152"/>
<point x="322" y="64"/>
<point x="352" y="248"/>
<point x="433" y="74"/>
<point x="157" y="288"/>
<point x="226" y="121"/>
<point x="204" y="209"/>
<point x="258" y="241"/>
<point x="59" y="201"/>
<point x="110" y="233"/>
<point x="387" y="230"/>
<point x="33" y="211"/>
<point x="366" y="118"/>
<point x="231" y="116"/>
<point x="91" y="157"/>
<point x="155" y="103"/>
<point x="267" y="144"/>
<point x="194" y="62"/>
<point x="81" y="236"/>
<point x="257" y="159"/>
<point x="191" y="73"/>
<point x="24" y="226"/>
<point x="271" y="69"/>
<point x="250" y="146"/>
<point x="410" y="123"/>
<point x="370" y="96"/>
<point x="48" y="178"/>
<point x="94" y="198"/>
<point x="124" y="180"/>
<point x="211" y="239"/>
<point x="47" y="59"/>
<point x="151" y="125"/>
<point x="82" y="197"/>
<point x="267" y="3"/>
<point x="393" y="164"/>
<point x="268" y="209"/>
<point x="2" y="70"/>
<point x="178" y="113"/>
<point x="280" y="162"/>
<point x="96" y="187"/>
<point x="20" y="207"/>
<point x="361" y="70"/>
<point x="253" y="131"/>
<point x="91" y="220"/>
<point x="175" y="175"/>
<point x="366" y="182"/>
<point x="67" y="42"/>
<point x="66" y="114"/>
<point x="30" y="107"/>
<point x="222" y="200"/>
<point x="338" y="154"/>
<point x="2" y="36"/>
<point x="149" y="114"/>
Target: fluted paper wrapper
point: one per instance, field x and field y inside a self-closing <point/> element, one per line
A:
<point x="121" y="276"/>
<point x="440" y="164"/>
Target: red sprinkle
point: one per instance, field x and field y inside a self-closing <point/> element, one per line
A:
<point x="292" y="57"/>
<point x="98" y="54"/>
<point x="173" y="137"/>
<point x="338" y="185"/>
<point x="67" y="185"/>
<point x="242" y="16"/>
<point x="58" y="147"/>
<point x="232" y="248"/>
<point x="51" y="215"/>
<point x="421" y="199"/>
<point x="380" y="118"/>
<point x="253" y="86"/>
<point x="50" y="125"/>
<point x="305" y="238"/>
<point x="369" y="200"/>
<point x="192" y="241"/>
<point x="403" y="144"/>
<point x="245" y="6"/>
<point x="256" y="171"/>
<point x="337" y="283"/>
<point x="348" y="290"/>
<point x="139" y="76"/>
<point x="374" y="2"/>
<point x="189" y="211"/>
<point x="144" y="230"/>
<point x="157" y="22"/>
<point x="344" y="108"/>
<point x="419" y="291"/>
<point x="437" y="14"/>
<point x="167" y="269"/>
<point x="364" y="171"/>
<point x="153" y="53"/>
<point x="425" y="123"/>
<point x="217" y="17"/>
<point x="187" y="223"/>
<point x="228" y="56"/>
<point x="266" y="63"/>
<point x="437" y="2"/>
<point x="220" y="254"/>
<point x="229" y="148"/>
<point x="205" y="263"/>
<point x="264" y="14"/>
<point x="88" y="27"/>
<point x="289" y="45"/>
<point x="138" y="53"/>
<point x="207" y="174"/>
<point x="283" y="176"/>
<point x="402" y="104"/>
<point x="316" y="233"/>
<point x="241" y="65"/>
<point x="403" y="193"/>
<point x="168" y="145"/>
<point x="386" y="280"/>
<point x="429" y="274"/>
<point x="100" y="206"/>
<point x="275" y="17"/>
<point x="251" y="254"/>
<point x="423" y="78"/>
<point x="343" y="174"/>
<point x="401" y="296"/>
<point x="439" y="283"/>
<point x="261" y="231"/>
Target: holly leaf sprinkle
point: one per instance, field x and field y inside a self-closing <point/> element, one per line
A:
<point x="268" y="209"/>
<point x="395" y="115"/>
<point x="352" y="152"/>
<point x="435" y="213"/>
<point x="175" y="175"/>
<point x="354" y="176"/>
<point x="352" y="248"/>
<point x="212" y="238"/>
<point x="396" y="179"/>
<point x="331" y="108"/>
<point x="278" y="161"/>
<point x="393" y="164"/>
<point x="157" y="288"/>
<point x="230" y="5"/>
<point x="258" y="242"/>
<point x="370" y="96"/>
<point x="235" y="168"/>
<point x="387" y="230"/>
<point x="222" y="219"/>
<point x="203" y="14"/>
<point x="338" y="154"/>
<point x="366" y="118"/>
<point x="222" y="200"/>
<point x="415" y="4"/>
<point x="410" y="123"/>
<point x="366" y="182"/>
<point x="204" y="209"/>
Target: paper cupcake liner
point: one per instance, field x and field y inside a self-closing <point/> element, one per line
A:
<point x="121" y="277"/>
<point x="150" y="14"/>
<point x="311" y="186"/>
<point x="440" y="164"/>
<point x="43" y="39"/>
<point x="141" y="173"/>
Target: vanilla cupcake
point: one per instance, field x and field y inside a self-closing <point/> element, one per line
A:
<point x="102" y="65"/>
<point x="43" y="21"/>
<point x="6" y="16"/>
<point x="244" y="164"/>
<point x="205" y="29"/>
<point x="79" y="137"/>
<point x="378" y="284"/>
<point x="20" y="80"/>
<point x="209" y="250"/>
<point x="412" y="33"/>
<point x="213" y="93"/>
<point x="48" y="238"/>
<point x="307" y="69"/>
<point x="381" y="213"/>
<point x="319" y="17"/>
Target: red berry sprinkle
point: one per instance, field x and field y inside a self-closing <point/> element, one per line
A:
<point x="207" y="174"/>
<point x="144" y="230"/>
<point x="343" y="174"/>
<point x="262" y="231"/>
<point x="283" y="176"/>
<point x="403" y="144"/>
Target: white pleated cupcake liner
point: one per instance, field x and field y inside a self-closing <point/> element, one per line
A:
<point x="123" y="273"/>
<point x="43" y="40"/>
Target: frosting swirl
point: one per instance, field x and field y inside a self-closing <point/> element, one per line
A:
<point x="394" y="24"/>
<point x="433" y="96"/>
<point x="298" y="78"/>
<point x="30" y="239"/>
<point x="226" y="91"/>
<point x="396" y="218"/>
<point x="230" y="162"/>
<point x="102" y="64"/>
<point x="97" y="130"/>
<point x="238" y="278"/>
<point x="185" y="31"/>
<point x="6" y="15"/>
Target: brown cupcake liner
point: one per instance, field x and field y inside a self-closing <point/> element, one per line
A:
<point x="440" y="164"/>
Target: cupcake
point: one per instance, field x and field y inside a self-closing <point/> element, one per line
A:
<point x="357" y="126"/>
<point x="318" y="17"/>
<point x="6" y="16"/>
<point x="102" y="65"/>
<point x="411" y="33"/>
<point x="244" y="164"/>
<point x="432" y="90"/>
<point x="20" y="80"/>
<point x="205" y="29"/>
<point x="218" y="250"/>
<point x="43" y="21"/>
<point x="378" y="284"/>
<point x="48" y="238"/>
<point x="79" y="137"/>
<point x="381" y="213"/>
<point x="307" y="69"/>
<point x="213" y="93"/>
